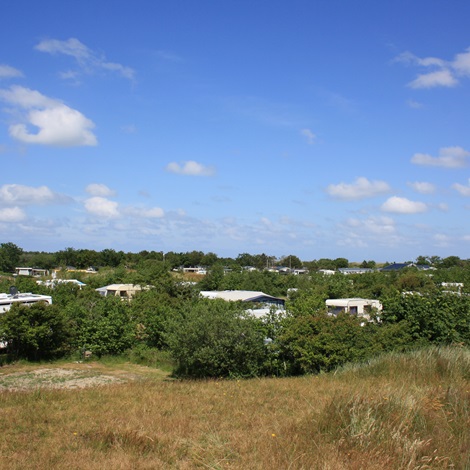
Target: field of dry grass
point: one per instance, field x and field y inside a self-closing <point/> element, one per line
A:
<point x="399" y="412"/>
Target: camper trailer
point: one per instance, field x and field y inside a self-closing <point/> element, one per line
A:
<point x="359" y="307"/>
<point x="7" y="300"/>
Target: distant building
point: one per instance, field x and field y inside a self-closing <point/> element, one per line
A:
<point x="400" y="266"/>
<point x="355" y="270"/>
<point x="452" y="287"/>
<point x="244" y="296"/>
<point x="262" y="304"/>
<point x="355" y="306"/>
<point x="34" y="272"/>
<point x="54" y="282"/>
<point x="124" y="291"/>
<point x="195" y="270"/>
<point x="327" y="272"/>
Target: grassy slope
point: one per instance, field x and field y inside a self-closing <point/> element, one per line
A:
<point x="400" y="411"/>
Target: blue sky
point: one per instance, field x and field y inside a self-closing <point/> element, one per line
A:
<point x="315" y="128"/>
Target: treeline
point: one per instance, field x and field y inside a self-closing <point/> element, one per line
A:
<point x="12" y="256"/>
<point x="213" y="338"/>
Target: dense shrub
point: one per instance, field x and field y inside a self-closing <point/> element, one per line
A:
<point x="440" y="318"/>
<point x="319" y="343"/>
<point x="214" y="338"/>
<point x="103" y="325"/>
<point x="36" y="332"/>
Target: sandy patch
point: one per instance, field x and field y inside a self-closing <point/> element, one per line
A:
<point x="56" y="378"/>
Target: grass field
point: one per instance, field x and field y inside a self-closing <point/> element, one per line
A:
<point x="409" y="411"/>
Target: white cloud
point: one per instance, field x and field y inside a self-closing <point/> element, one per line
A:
<point x="58" y="124"/>
<point x="11" y="194"/>
<point x="96" y="189"/>
<point x="12" y="214"/>
<point x="463" y="190"/>
<point x="6" y="71"/>
<point x="191" y="168"/>
<point x="449" y="157"/>
<point x="309" y="135"/>
<point x="102" y="207"/>
<point x="401" y="205"/>
<point x="423" y="187"/>
<point x="434" y="79"/>
<point x="88" y="60"/>
<point x="444" y="73"/>
<point x="360" y="189"/>
<point x="462" y="63"/>
<point x="27" y="98"/>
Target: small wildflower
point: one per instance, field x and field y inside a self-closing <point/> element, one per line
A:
<point x="273" y="435"/>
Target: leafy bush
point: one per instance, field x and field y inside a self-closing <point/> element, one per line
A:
<point x="319" y="343"/>
<point x="214" y="338"/>
<point x="35" y="332"/>
<point x="103" y="326"/>
<point x="440" y="318"/>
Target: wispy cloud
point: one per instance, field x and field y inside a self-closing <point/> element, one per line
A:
<point x="309" y="135"/>
<point x="449" y="157"/>
<point x="414" y="104"/>
<point x="369" y="231"/>
<point x="190" y="168"/>
<point x="462" y="189"/>
<point x="7" y="71"/>
<point x="422" y="187"/>
<point x="57" y="124"/>
<point x="442" y="73"/>
<point x="434" y="79"/>
<point x="88" y="60"/>
<point x="441" y="240"/>
<point x="362" y="188"/>
<point x="96" y="189"/>
<point x="401" y="205"/>
<point x="17" y="194"/>
<point x="144" y="213"/>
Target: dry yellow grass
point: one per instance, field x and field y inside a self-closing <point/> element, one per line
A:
<point x="409" y="412"/>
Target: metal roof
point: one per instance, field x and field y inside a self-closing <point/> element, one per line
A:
<point x="241" y="295"/>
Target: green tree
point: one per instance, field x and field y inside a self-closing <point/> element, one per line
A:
<point x="35" y="332"/>
<point x="213" y="280"/>
<point x="104" y="325"/>
<point x="215" y="338"/>
<point x="315" y="343"/>
<point x="10" y="255"/>
<point x="291" y="261"/>
<point x="432" y="318"/>
<point x="151" y="312"/>
<point x="341" y="263"/>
